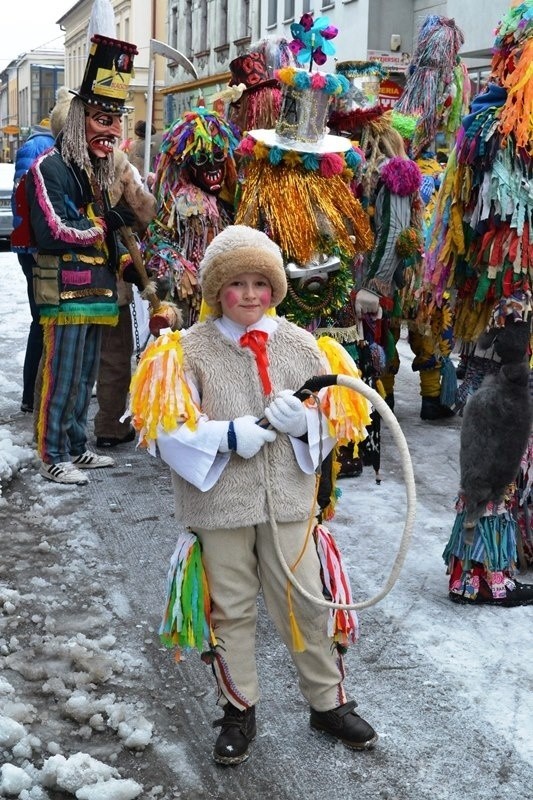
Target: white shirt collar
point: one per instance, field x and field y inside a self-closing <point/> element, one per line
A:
<point x="234" y="331"/>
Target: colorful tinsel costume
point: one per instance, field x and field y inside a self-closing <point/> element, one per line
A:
<point x="480" y="254"/>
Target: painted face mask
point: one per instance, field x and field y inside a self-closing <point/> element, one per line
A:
<point x="102" y="131"/>
<point x="208" y="171"/>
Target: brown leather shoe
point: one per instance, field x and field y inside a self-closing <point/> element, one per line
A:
<point x="238" y="730"/>
<point x="114" y="441"/>
<point x="345" y="725"/>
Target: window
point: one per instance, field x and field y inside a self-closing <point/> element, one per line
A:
<point x="45" y="82"/>
<point x="202" y="44"/>
<point x="306" y="6"/>
<point x="272" y="18"/>
<point x="222" y="22"/>
<point x="188" y="28"/>
<point x="288" y="10"/>
<point x="245" y="19"/>
<point x="174" y="27"/>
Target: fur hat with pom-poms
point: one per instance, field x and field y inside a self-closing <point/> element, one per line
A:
<point x="238" y="249"/>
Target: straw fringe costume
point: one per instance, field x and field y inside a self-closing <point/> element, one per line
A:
<point x="303" y="195"/>
<point x="430" y="104"/>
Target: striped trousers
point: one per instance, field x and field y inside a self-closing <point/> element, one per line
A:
<point x="69" y="367"/>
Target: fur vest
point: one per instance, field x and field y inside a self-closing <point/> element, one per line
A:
<point x="127" y="188"/>
<point x="229" y="385"/>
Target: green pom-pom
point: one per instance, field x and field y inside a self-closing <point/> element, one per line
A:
<point x="405" y="124"/>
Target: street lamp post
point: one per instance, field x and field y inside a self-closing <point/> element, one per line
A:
<point x="177" y="59"/>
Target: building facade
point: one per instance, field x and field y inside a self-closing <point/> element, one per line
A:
<point x="27" y="94"/>
<point x="210" y="33"/>
<point x="213" y="32"/>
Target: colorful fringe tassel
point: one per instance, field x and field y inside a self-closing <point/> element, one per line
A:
<point x="186" y="620"/>
<point x="348" y="411"/>
<point x="343" y="626"/>
<point x="159" y="395"/>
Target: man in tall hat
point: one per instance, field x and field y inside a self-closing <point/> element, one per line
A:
<point x="78" y="257"/>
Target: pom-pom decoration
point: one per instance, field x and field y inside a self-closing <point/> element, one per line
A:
<point x="335" y="85"/>
<point x="159" y="395"/>
<point x="409" y="243"/>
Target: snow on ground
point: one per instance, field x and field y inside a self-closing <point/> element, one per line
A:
<point x="64" y="624"/>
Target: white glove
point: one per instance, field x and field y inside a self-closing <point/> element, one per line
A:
<point x="366" y="302"/>
<point x="249" y="437"/>
<point x="287" y="414"/>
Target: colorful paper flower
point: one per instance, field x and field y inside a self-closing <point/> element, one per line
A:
<point x="311" y="40"/>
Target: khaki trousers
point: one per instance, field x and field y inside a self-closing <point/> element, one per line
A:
<point x="238" y="563"/>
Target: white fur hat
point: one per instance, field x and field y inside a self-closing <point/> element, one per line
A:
<point x="237" y="249"/>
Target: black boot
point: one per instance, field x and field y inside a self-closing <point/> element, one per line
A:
<point x="238" y="730"/>
<point x="432" y="409"/>
<point x="346" y="725"/>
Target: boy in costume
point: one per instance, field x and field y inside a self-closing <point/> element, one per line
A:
<point x="78" y="257"/>
<point x="237" y="483"/>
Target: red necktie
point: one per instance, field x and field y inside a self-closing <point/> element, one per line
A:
<point x="256" y="341"/>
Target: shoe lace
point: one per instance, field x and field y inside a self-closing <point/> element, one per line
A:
<point x="233" y="718"/>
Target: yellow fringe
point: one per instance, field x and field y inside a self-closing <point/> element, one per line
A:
<point x="348" y="411"/>
<point x="294" y="204"/>
<point x="159" y="395"/>
<point x="298" y="642"/>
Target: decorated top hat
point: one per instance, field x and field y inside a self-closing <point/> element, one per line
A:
<point x="365" y="78"/>
<point x="360" y="105"/>
<point x="301" y="124"/>
<point x="251" y="70"/>
<point x="108" y="72"/>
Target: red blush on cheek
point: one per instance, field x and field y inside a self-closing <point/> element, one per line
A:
<point x="231" y="298"/>
<point x="265" y="297"/>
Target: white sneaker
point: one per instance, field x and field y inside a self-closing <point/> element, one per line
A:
<point x="90" y="460"/>
<point x="64" y="472"/>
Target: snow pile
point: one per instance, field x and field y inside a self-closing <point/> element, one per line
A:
<point x="12" y="456"/>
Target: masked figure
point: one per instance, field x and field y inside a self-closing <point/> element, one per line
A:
<point x="78" y="260"/>
<point x="194" y="187"/>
